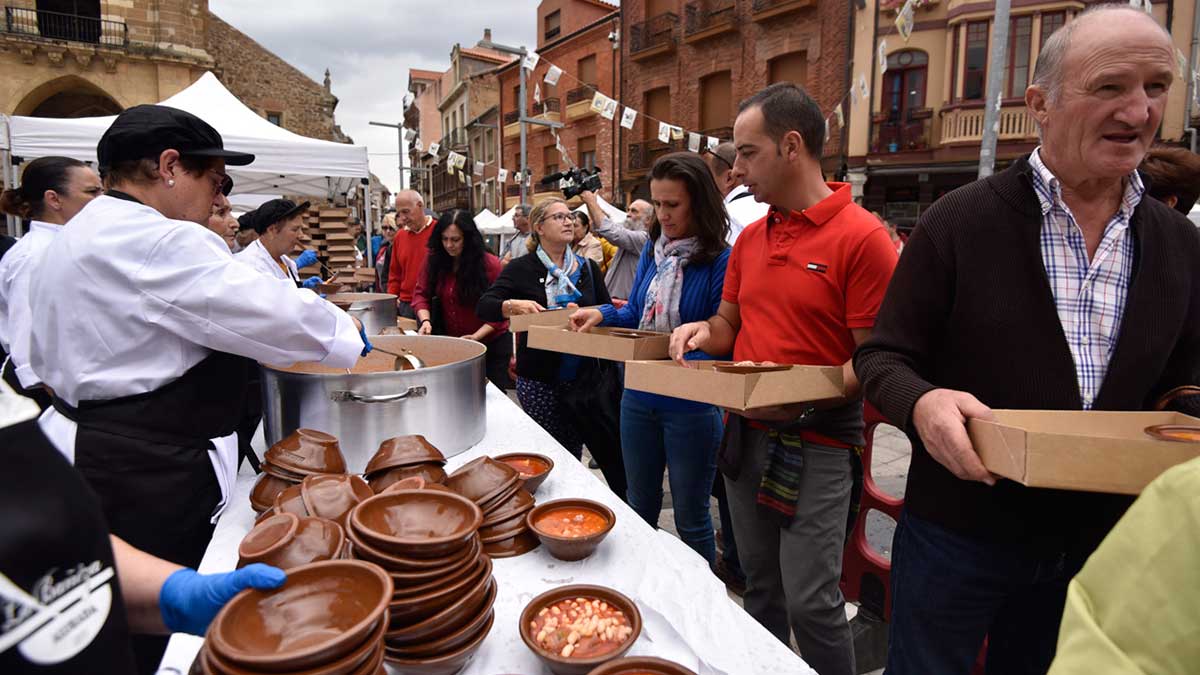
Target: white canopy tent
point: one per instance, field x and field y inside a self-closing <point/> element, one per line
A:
<point x="497" y="225"/>
<point x="284" y="162"/>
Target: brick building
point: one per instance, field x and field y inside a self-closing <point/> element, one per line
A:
<point x="423" y="117"/>
<point x="575" y="36"/>
<point x="690" y="63"/>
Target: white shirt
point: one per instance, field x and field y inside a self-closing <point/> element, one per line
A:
<point x="132" y="300"/>
<point x="515" y="247"/>
<point x="257" y="256"/>
<point x="15" y="315"/>
<point x="742" y="211"/>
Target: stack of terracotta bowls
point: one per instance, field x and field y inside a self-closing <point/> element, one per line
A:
<point x="306" y="452"/>
<point x="497" y="489"/>
<point x="286" y="540"/>
<point x="441" y="607"/>
<point x="328" y="617"/>
<point x="403" y="457"/>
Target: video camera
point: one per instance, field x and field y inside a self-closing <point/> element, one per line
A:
<point x="575" y="181"/>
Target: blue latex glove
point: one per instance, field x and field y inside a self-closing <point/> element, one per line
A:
<point x="311" y="282"/>
<point x="307" y="258"/>
<point x="367" y="346"/>
<point x="189" y="600"/>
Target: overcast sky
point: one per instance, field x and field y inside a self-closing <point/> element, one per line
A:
<point x="368" y="46"/>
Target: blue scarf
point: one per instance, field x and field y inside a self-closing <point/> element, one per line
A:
<point x="559" y="289"/>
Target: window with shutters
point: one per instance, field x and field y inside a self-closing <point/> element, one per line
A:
<point x="587" y="152"/>
<point x="656" y="7"/>
<point x="550" y="159"/>
<point x="716" y="100"/>
<point x="553" y="25"/>
<point x="586" y="69"/>
<point x="658" y="106"/>
<point x="791" y="67"/>
<point x="275" y="118"/>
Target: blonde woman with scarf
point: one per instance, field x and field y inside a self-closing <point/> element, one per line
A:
<point x="679" y="279"/>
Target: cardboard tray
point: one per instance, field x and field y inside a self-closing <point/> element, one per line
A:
<point x="1094" y="451"/>
<point x="600" y="343"/>
<point x="550" y="317"/>
<point x="700" y="382"/>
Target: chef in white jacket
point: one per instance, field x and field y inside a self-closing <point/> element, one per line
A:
<point x="279" y="224"/>
<point x="52" y="191"/>
<point x="146" y="329"/>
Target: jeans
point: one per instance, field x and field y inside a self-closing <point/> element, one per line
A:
<point x="949" y="591"/>
<point x="685" y="445"/>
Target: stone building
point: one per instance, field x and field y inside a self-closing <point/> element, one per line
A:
<point x="921" y="134"/>
<point x="689" y="63"/>
<point x="577" y="36"/>
<point x="75" y="58"/>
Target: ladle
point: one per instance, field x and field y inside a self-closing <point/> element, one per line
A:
<point x="405" y="361"/>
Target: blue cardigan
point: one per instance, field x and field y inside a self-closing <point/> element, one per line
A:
<point x="702" y="286"/>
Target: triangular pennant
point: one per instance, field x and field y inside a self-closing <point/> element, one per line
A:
<point x="713" y="142"/>
<point x="628" y="116"/>
<point x="881" y="56"/>
<point x="839" y="116"/>
<point x="552" y="75"/>
<point x="664" y="132"/>
<point x="531" y="60"/>
<point x="598" y="102"/>
<point x="693" y="142"/>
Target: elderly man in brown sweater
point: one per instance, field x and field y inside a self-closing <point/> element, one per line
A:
<point x="1055" y="284"/>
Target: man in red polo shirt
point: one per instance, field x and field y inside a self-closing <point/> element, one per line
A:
<point x="410" y="248"/>
<point x="803" y="286"/>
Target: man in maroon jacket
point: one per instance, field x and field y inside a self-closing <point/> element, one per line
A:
<point x="409" y="249"/>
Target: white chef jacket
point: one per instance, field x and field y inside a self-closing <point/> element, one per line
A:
<point x="15" y="316"/>
<point x="131" y="300"/>
<point x="257" y="256"/>
<point x="742" y="211"/>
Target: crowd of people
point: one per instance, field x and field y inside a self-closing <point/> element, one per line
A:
<point x="1067" y="281"/>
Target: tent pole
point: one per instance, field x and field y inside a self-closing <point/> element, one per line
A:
<point x="367" y="222"/>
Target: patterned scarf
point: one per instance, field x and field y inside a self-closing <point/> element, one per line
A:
<point x="559" y="289"/>
<point x="661" y="312"/>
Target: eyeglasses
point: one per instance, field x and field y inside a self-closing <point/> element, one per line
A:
<point x="557" y="216"/>
<point x="725" y="161"/>
<point x="223" y="185"/>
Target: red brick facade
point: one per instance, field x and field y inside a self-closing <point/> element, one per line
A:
<point x="686" y="42"/>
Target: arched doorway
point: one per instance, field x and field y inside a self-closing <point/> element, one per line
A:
<point x="68" y="96"/>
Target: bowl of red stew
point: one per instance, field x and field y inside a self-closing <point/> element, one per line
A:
<point x="573" y="629"/>
<point x="641" y="665"/>
<point x="571" y="529"/>
<point x="533" y="468"/>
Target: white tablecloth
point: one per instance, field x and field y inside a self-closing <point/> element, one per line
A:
<point x="688" y="618"/>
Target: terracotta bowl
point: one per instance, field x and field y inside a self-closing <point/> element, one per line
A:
<point x="405" y="590"/>
<point x="443" y="664"/>
<point x="578" y="666"/>
<point x="641" y="665"/>
<point x="313" y="540"/>
<point x="517" y="503"/>
<point x="363" y="660"/>
<point x="291" y="500"/>
<point x="320" y="614"/>
<point x="570" y="548"/>
<point x="266" y="488"/>
<point x="533" y="468"/>
<point x="405" y="580"/>
<point x="495" y="501"/>
<point x="416" y="608"/>
<point x="475" y="602"/>
<point x="450" y="643"/>
<point x="332" y="496"/>
<point x="328" y="289"/>
<point x="417" y="523"/>
<point x="504" y="529"/>
<point x="278" y="472"/>
<point x="482" y="478"/>
<point x="519" y="544"/>
<point x="307" y="451"/>
<point x="404" y="451"/>
<point x="410" y="483"/>
<point x="429" y="472"/>
<point x="407" y="565"/>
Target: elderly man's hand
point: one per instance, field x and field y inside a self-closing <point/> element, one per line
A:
<point x="588" y="197"/>
<point x="940" y="417"/>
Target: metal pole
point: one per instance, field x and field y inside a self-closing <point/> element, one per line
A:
<point x="400" y="147"/>
<point x="523" y="111"/>
<point x="369" y="254"/>
<point x="997" y="69"/>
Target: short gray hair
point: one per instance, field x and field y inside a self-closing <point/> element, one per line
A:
<point x="523" y="209"/>
<point x="1051" y="61"/>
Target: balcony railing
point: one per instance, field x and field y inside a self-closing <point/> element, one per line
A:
<point x="643" y="155"/>
<point x="655" y="34"/>
<point x="908" y="132"/>
<point x="69" y="27"/>
<point x="708" y="16"/>
<point x="721" y="133"/>
<point x="764" y="9"/>
<point x="512" y="117"/>
<point x="963" y="123"/>
<point x="548" y="105"/>
<point x="584" y="93"/>
<point x="457" y="137"/>
<point x="512" y="191"/>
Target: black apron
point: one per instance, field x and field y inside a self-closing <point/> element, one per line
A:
<point x="36" y="394"/>
<point x="54" y="550"/>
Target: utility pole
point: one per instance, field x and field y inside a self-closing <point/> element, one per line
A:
<point x="399" y="147"/>
<point x="997" y="70"/>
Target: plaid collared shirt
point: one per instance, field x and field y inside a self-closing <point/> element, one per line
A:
<point x="1090" y="295"/>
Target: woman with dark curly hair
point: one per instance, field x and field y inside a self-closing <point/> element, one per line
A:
<point x="459" y="269"/>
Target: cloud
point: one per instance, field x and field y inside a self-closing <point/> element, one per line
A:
<point x="369" y="46"/>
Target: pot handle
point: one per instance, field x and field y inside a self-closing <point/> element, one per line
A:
<point x="342" y="396"/>
<point x="356" y="310"/>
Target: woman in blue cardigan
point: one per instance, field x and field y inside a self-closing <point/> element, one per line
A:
<point x="679" y="279"/>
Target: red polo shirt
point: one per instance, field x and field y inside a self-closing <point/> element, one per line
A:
<point x="802" y="280"/>
<point x="409" y="252"/>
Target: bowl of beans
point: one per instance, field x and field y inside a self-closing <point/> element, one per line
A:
<point x="641" y="665"/>
<point x="571" y="529"/>
<point x="573" y="629"/>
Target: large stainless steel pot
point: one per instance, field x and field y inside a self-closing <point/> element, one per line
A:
<point x="443" y="401"/>
<point x="376" y="311"/>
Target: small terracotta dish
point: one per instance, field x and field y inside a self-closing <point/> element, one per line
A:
<point x="641" y="665"/>
<point x="571" y="529"/>
<point x="574" y="665"/>
<point x="429" y="472"/>
<point x="482" y="478"/>
<point x="417" y="523"/>
<point x="533" y="468"/>
<point x="404" y="451"/>
<point x="307" y="451"/>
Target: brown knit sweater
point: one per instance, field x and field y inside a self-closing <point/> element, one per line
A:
<point x="970" y="308"/>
